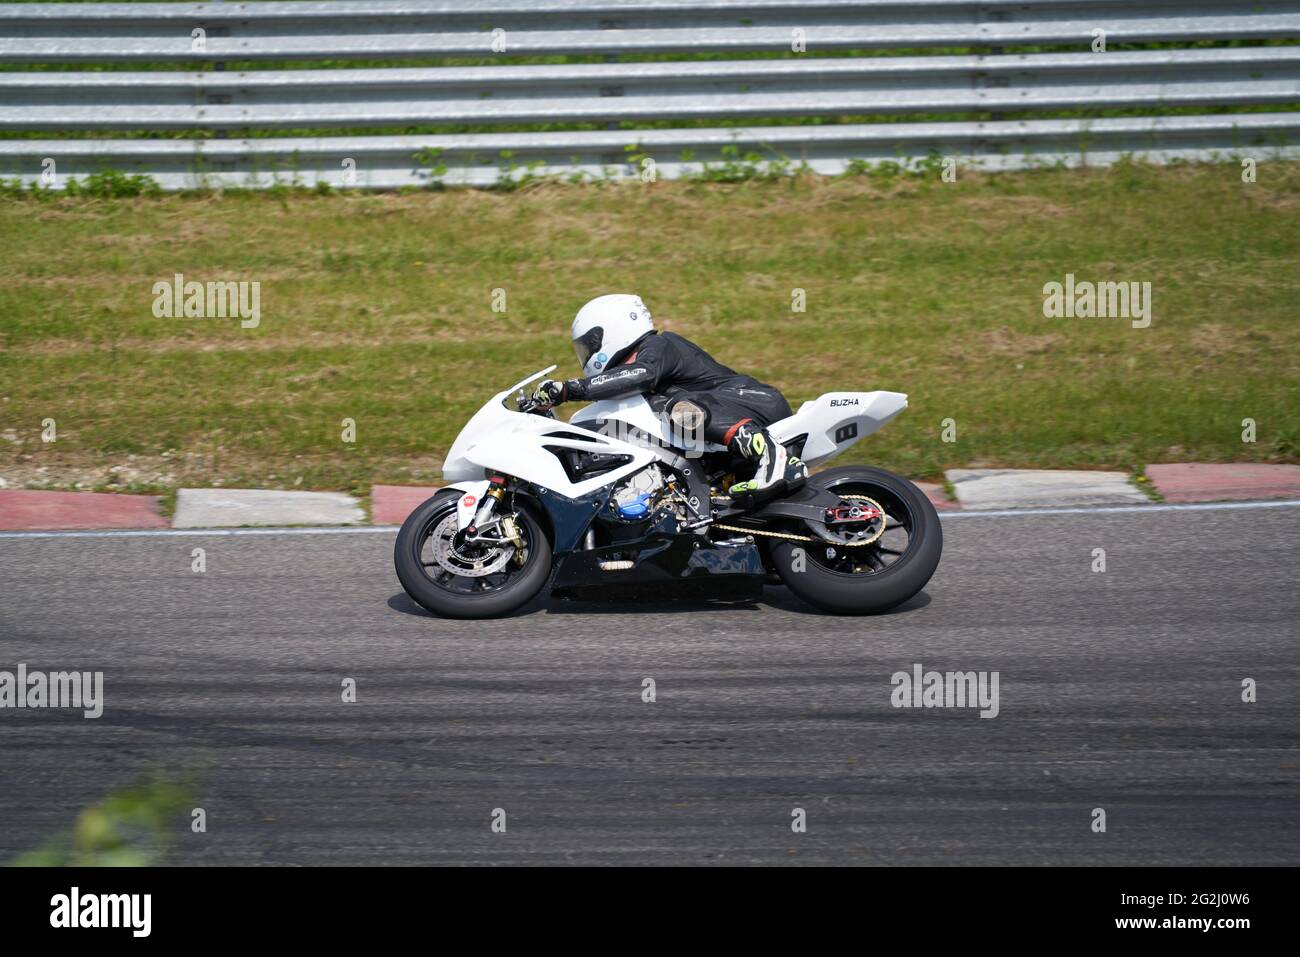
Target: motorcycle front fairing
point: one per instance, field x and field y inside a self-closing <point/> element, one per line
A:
<point x="456" y="467"/>
<point x="500" y="439"/>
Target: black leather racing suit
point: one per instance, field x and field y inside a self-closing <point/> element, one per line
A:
<point x="668" y="369"/>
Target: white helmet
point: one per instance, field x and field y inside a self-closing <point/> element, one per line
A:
<point x="607" y="327"/>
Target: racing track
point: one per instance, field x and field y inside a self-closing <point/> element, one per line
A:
<point x="1118" y="690"/>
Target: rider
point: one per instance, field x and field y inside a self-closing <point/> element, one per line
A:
<point x="622" y="354"/>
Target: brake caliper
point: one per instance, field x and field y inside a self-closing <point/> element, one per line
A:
<point x="510" y="532"/>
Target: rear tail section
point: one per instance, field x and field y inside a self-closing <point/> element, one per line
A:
<point x="832" y="422"/>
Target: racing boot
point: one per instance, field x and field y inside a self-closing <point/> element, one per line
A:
<point x="772" y="464"/>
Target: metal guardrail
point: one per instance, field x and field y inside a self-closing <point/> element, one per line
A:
<point x="480" y="159"/>
<point x="147" y="104"/>
<point x="647" y="91"/>
<point x="115" y="32"/>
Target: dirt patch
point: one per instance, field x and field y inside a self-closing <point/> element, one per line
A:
<point x="1004" y="341"/>
<point x="130" y="470"/>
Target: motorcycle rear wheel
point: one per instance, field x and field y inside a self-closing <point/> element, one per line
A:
<point x="475" y="593"/>
<point x="866" y="580"/>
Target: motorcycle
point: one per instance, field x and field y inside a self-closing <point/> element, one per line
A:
<point x="620" y="501"/>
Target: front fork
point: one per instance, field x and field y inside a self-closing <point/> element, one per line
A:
<point x="485" y="528"/>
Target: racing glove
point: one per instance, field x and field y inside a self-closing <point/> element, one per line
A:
<point x="549" y="392"/>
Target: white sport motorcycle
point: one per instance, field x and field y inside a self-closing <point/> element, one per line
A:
<point x="617" y="502"/>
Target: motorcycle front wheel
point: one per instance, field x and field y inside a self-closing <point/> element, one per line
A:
<point x="449" y="576"/>
<point x="852" y="579"/>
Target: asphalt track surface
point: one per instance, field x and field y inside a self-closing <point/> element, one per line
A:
<point x="1119" y="690"/>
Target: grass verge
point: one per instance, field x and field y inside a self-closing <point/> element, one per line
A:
<point x="379" y="309"/>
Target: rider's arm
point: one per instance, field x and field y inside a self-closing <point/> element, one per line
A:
<point x="641" y="375"/>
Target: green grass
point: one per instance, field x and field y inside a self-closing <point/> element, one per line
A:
<point x="378" y="308"/>
<point x="133" y="827"/>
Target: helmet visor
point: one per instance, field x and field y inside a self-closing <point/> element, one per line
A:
<point x="587" y="344"/>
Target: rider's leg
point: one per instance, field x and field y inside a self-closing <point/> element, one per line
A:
<point x="688" y="415"/>
<point x="735" y="418"/>
<point x="772" y="464"/>
<point x="688" y="421"/>
<point x="746" y="435"/>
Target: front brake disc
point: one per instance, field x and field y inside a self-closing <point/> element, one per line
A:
<point x="466" y="562"/>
